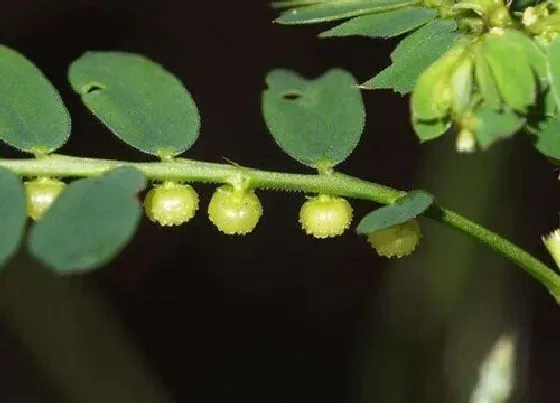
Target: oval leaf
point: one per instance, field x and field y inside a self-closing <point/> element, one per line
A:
<point x="403" y="210"/>
<point x="390" y="23"/>
<point x="318" y="122"/>
<point x="142" y="103"/>
<point x="553" y="64"/>
<point x="493" y="125"/>
<point x="32" y="116"/>
<point x="485" y="81"/>
<point x="430" y="129"/>
<point x="547" y="140"/>
<point x="13" y="217"/>
<point x="414" y="54"/>
<point x="90" y="223"/>
<point x="335" y="10"/>
<point x="534" y="54"/>
<point x="498" y="50"/>
<point x="432" y="98"/>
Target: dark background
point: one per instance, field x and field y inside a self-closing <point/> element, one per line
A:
<point x="277" y="316"/>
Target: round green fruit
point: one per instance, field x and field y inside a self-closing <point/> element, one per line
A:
<point x="234" y="211"/>
<point x="325" y="216"/>
<point x="40" y="195"/>
<point x="397" y="241"/>
<point x="171" y="204"/>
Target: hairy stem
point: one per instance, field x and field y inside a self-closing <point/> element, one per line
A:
<point x="336" y="184"/>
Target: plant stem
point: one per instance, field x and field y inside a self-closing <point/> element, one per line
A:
<point x="335" y="183"/>
<point x="534" y="267"/>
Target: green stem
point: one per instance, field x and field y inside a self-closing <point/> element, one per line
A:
<point x="336" y="183"/>
<point x="537" y="269"/>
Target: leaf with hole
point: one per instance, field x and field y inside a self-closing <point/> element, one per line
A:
<point x="32" y="116"/>
<point x="386" y="24"/>
<point x="13" y="217"/>
<point x="413" y="55"/>
<point x="143" y="104"/>
<point x="405" y="209"/>
<point x="317" y="122"/>
<point x="91" y="221"/>
<point x="332" y="10"/>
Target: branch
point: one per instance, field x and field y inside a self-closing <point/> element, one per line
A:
<point x="335" y="184"/>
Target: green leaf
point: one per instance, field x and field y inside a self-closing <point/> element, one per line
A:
<point x="461" y="83"/>
<point x="553" y="63"/>
<point x="414" y="54"/>
<point x="485" y="81"/>
<point x="317" y="122"/>
<point x="335" y="9"/>
<point x="550" y="107"/>
<point x="90" y="222"/>
<point x="433" y="95"/>
<point x="493" y="125"/>
<point x="296" y="3"/>
<point x="13" y="217"/>
<point x="547" y="141"/>
<point x="430" y="129"/>
<point x="142" y="103"/>
<point x="403" y="210"/>
<point x="534" y="54"/>
<point x="32" y="116"/>
<point x="387" y="24"/>
<point x="498" y="50"/>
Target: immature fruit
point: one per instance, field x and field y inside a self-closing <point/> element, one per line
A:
<point x="234" y="211"/>
<point x="399" y="240"/>
<point x="171" y="203"/>
<point x="40" y="195"/>
<point x="325" y="216"/>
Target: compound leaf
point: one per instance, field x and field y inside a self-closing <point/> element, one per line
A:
<point x="142" y="103"/>
<point x="317" y="122"/>
<point x="90" y="222"/>
<point x="32" y="116"/>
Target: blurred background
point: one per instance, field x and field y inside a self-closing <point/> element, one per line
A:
<point x="192" y="315"/>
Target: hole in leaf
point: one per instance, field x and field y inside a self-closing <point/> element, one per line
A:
<point x="292" y="95"/>
<point x="92" y="87"/>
